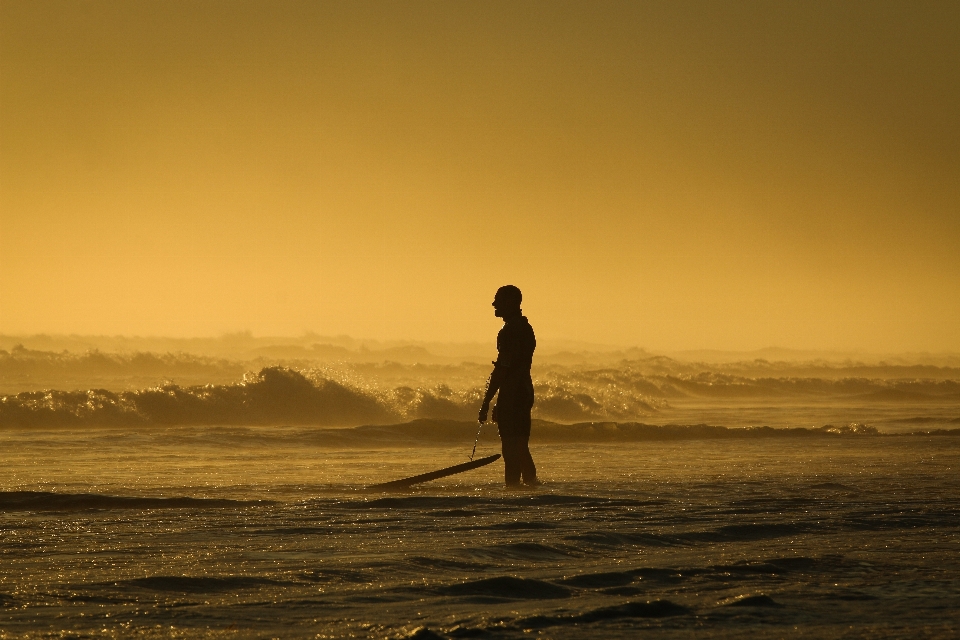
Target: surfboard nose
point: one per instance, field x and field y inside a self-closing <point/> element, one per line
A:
<point x="406" y="483"/>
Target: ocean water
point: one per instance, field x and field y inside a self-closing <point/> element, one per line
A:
<point x="253" y="532"/>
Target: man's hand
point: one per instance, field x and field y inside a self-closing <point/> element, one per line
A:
<point x="484" y="410"/>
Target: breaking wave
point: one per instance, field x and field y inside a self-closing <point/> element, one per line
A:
<point x="274" y="396"/>
<point x="388" y="393"/>
<point x="278" y="395"/>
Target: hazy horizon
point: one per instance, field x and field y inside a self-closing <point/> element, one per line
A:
<point x="309" y="346"/>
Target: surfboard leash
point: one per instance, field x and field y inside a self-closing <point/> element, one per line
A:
<point x="476" y="440"/>
<point x="480" y="428"/>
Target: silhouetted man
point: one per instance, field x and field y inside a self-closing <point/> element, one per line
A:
<point x="511" y="377"/>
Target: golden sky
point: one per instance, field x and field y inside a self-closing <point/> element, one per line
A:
<point x="663" y="174"/>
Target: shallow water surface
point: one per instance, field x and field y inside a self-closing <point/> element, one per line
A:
<point x="233" y="532"/>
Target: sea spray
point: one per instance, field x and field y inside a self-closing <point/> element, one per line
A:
<point x="275" y="395"/>
<point x="279" y="395"/>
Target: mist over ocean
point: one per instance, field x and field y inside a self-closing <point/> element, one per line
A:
<point x="220" y="494"/>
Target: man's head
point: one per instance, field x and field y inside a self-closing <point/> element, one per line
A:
<point x="507" y="301"/>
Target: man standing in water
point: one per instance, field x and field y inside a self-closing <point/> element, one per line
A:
<point x="511" y="377"/>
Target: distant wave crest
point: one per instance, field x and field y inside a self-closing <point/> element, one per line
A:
<point x="419" y="433"/>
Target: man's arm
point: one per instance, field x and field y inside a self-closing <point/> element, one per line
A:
<point x="506" y="356"/>
<point x="493" y="385"/>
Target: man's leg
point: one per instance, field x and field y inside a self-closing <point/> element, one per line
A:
<point x="512" y="445"/>
<point x="527" y="469"/>
<point x="512" y="460"/>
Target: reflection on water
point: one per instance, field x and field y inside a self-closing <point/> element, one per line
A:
<point x="253" y="532"/>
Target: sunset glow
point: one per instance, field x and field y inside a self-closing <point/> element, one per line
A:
<point x="671" y="175"/>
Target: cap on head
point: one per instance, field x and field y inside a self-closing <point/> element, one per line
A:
<point x="508" y="296"/>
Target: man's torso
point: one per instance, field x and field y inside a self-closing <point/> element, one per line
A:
<point x="516" y="343"/>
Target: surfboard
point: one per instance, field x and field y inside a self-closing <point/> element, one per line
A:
<point x="406" y="483"/>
